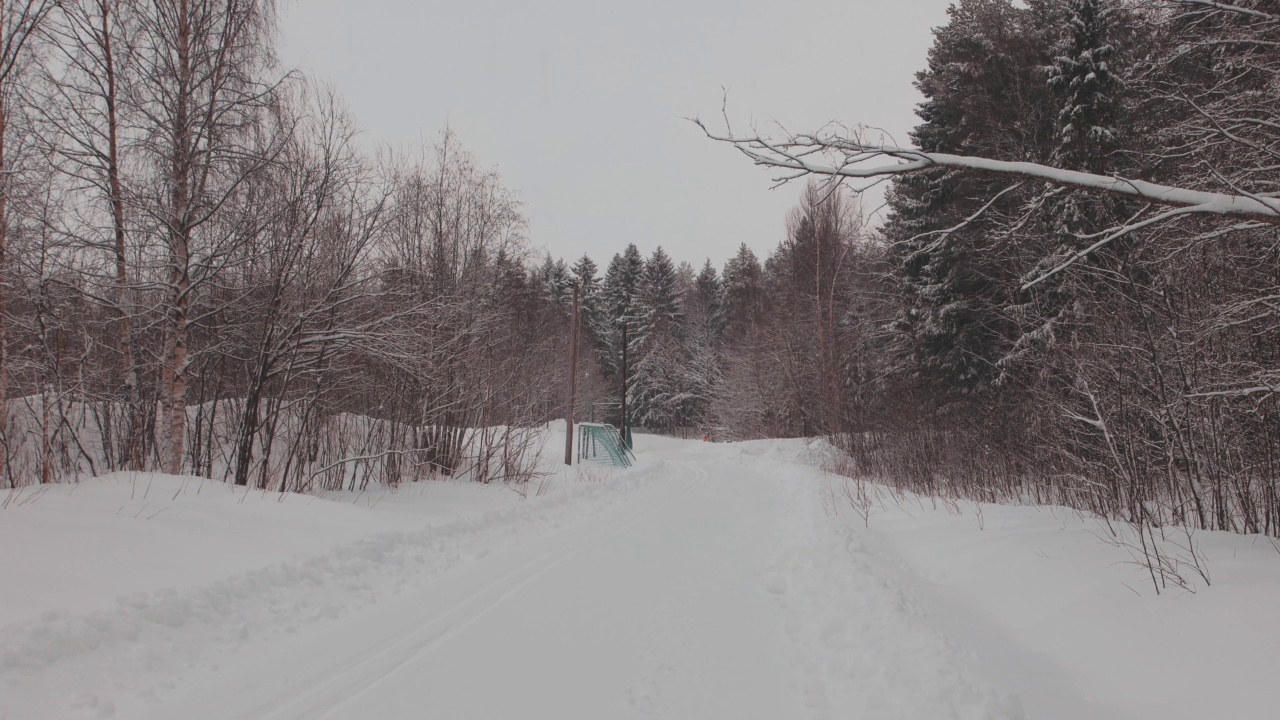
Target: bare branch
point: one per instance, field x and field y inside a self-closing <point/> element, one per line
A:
<point x="847" y="157"/>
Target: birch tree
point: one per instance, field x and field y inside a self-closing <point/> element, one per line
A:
<point x="20" y="21"/>
<point x="80" y="103"/>
<point x="203" y="83"/>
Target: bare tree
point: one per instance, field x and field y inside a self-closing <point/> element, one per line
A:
<point x="1093" y="325"/>
<point x="19" y="22"/>
<point x="80" y="104"/>
<point x="203" y="89"/>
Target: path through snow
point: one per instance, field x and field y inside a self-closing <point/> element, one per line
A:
<point x="709" y="582"/>
<point x="720" y="595"/>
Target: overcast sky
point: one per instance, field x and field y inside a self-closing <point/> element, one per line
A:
<point x="579" y="103"/>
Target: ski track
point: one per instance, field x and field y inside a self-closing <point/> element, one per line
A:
<point x="339" y="688"/>
<point x="139" y="652"/>
<point x="698" y="587"/>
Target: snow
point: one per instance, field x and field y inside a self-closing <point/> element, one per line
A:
<point x="708" y="581"/>
<point x="1054" y="608"/>
<point x="1077" y="624"/>
<point x="796" y="154"/>
<point x="130" y="533"/>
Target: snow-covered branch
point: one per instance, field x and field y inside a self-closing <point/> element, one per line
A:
<point x="848" y="156"/>
<point x="1210" y="4"/>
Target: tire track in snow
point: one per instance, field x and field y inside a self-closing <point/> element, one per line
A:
<point x="336" y="689"/>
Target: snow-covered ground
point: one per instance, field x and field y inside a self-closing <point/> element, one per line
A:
<point x="709" y="581"/>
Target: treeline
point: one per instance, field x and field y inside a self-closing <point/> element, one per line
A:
<point x="753" y="350"/>
<point x="1107" y="338"/>
<point x="203" y="272"/>
<point x="1074" y="346"/>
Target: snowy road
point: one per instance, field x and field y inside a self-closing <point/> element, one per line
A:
<point x="656" y="610"/>
<point x="710" y="581"/>
<point x="716" y="595"/>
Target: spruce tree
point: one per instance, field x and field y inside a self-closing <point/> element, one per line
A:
<point x="586" y="273"/>
<point x="702" y="369"/>
<point x="742" y="294"/>
<point x="1087" y="90"/>
<point x="619" y="294"/>
<point x="590" y="295"/>
<point x="658" y="327"/>
<point x="557" y="280"/>
<point x="621" y="285"/>
<point x="1082" y="74"/>
<point x="985" y="95"/>
<point x="659" y="307"/>
<point x="657" y="386"/>
<point x="707" y="290"/>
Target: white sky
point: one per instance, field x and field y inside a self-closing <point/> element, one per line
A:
<point x="579" y="103"/>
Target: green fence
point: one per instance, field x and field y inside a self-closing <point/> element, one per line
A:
<point x="602" y="443"/>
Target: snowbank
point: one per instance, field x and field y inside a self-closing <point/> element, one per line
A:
<point x="1056" y="607"/>
<point x="1050" y="603"/>
<point x="126" y="580"/>
<point x="130" y="595"/>
<point x="77" y="547"/>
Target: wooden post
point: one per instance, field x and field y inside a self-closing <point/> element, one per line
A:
<point x="622" y="424"/>
<point x="573" y="383"/>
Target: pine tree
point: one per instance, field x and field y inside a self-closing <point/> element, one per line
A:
<point x="586" y="273"/>
<point x="742" y="295"/>
<point x="591" y="297"/>
<point x="657" y="387"/>
<point x="702" y="371"/>
<point x="1088" y="91"/>
<point x="659" y="328"/>
<point x="984" y="95"/>
<point x="659" y="307"/>
<point x="619" y="295"/>
<point x="708" y="282"/>
<point x="1082" y="74"/>
<point x="621" y="284"/>
<point x="685" y="278"/>
<point x="705" y="298"/>
<point x="557" y="280"/>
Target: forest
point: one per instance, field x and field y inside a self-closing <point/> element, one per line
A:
<point x="1072" y="298"/>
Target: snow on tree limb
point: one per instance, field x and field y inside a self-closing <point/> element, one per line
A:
<point x="1110" y="237"/>
<point x="1228" y="7"/>
<point x="811" y="154"/>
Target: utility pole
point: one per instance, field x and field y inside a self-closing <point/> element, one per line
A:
<point x="622" y="425"/>
<point x="573" y="383"/>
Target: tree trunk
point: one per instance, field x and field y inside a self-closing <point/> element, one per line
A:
<point x="133" y="451"/>
<point x="174" y="372"/>
<point x="4" y="237"/>
<point x="573" y="383"/>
